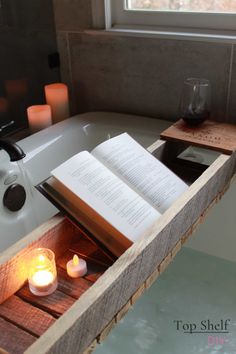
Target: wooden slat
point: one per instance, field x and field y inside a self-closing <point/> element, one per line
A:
<point x="26" y="316"/>
<point x="103" y="335"/>
<point x="13" y="339"/>
<point x="152" y="278"/>
<point x="138" y="293"/>
<point x="55" y="234"/>
<point x="74" y="287"/>
<point x="212" y="135"/>
<point x="55" y="304"/>
<point x="91" y="347"/>
<point x="164" y="264"/>
<point x="95" y="309"/>
<point x="89" y="251"/>
<point x="95" y="270"/>
<point x="123" y="311"/>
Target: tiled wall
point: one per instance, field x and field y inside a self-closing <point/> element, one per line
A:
<point x="138" y="75"/>
<point x="27" y="36"/>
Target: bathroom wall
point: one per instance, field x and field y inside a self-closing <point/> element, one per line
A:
<point x="27" y="36"/>
<point x="138" y="75"/>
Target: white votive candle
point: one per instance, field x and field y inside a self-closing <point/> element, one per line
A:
<point x="76" y="267"/>
<point x="42" y="273"/>
<point x="57" y="97"/>
<point x="39" y="117"/>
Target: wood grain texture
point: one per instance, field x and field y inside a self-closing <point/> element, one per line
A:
<point x="95" y="309"/>
<point x="88" y="316"/>
<point x="55" y="234"/>
<point x="152" y="278"/>
<point x="138" y="293"/>
<point x="176" y="249"/>
<point x="123" y="311"/>
<point x="73" y="287"/>
<point x="103" y="335"/>
<point x="213" y="135"/>
<point x="90" y="348"/>
<point x="55" y="304"/>
<point x="26" y="316"/>
<point x="164" y="264"/>
<point x="13" y="339"/>
<point x="89" y="251"/>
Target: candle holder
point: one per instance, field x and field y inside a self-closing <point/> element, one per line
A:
<point x="42" y="273"/>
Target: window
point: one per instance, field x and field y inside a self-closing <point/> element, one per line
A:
<point x="184" y="14"/>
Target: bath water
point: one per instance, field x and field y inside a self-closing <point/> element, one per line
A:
<point x="197" y="293"/>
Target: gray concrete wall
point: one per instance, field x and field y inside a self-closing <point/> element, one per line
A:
<point x="138" y="75"/>
<point x="27" y="36"/>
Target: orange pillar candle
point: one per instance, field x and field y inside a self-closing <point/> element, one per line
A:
<point x="39" y="117"/>
<point x="57" y="98"/>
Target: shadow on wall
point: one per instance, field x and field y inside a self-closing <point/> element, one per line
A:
<point x="27" y="37"/>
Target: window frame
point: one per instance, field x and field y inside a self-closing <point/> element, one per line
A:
<point x="117" y="17"/>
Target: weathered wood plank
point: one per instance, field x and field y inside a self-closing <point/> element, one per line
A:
<point x="89" y="251"/>
<point x="26" y="316"/>
<point x="93" y="311"/>
<point x="74" y="287"/>
<point x="210" y="134"/>
<point x="91" y="347"/>
<point x="152" y="278"/>
<point x="13" y="339"/>
<point x="55" y="234"/>
<point x="138" y="293"/>
<point x="103" y="335"/>
<point x="55" y="304"/>
<point x="164" y="264"/>
<point x="123" y="311"/>
<point x="176" y="249"/>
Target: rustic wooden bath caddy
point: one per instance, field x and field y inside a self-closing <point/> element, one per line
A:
<point x="82" y="311"/>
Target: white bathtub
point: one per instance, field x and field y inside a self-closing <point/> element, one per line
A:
<point x="50" y="147"/>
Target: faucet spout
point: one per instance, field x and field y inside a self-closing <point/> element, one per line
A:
<point x="14" y="151"/>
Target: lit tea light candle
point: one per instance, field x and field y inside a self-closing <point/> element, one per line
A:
<point x="57" y="98"/>
<point x="76" y="267"/>
<point x="42" y="272"/>
<point x="39" y="117"/>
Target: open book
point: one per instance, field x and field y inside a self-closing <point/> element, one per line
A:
<point x="116" y="192"/>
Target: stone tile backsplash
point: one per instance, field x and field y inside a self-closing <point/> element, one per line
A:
<point x="144" y="75"/>
<point x="137" y="75"/>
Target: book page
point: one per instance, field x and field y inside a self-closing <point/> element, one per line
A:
<point x="104" y="192"/>
<point x="142" y="171"/>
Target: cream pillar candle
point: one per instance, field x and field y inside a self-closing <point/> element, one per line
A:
<point x="57" y="98"/>
<point x="39" y="117"/>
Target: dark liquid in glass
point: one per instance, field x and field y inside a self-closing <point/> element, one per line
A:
<point x="195" y="118"/>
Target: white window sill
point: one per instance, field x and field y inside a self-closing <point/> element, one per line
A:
<point x="171" y="33"/>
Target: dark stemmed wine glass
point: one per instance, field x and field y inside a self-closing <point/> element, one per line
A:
<point x="195" y="101"/>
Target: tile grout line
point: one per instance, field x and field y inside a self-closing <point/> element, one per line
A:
<point x="229" y="83"/>
<point x="70" y="71"/>
<point x="69" y="56"/>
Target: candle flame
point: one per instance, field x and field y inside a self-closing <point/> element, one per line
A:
<point x="41" y="258"/>
<point x="75" y="259"/>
